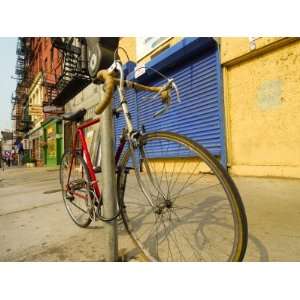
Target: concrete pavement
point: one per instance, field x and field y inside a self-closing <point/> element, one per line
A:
<point x="34" y="225"/>
<point x="273" y="211"/>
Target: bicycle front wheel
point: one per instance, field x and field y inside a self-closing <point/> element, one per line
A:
<point x="187" y="207"/>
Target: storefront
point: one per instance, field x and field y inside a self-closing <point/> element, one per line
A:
<point x="53" y="142"/>
<point x="36" y="139"/>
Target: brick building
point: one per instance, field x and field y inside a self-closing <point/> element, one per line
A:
<point x="38" y="69"/>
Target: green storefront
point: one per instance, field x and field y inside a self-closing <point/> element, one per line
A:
<point x="53" y="142"/>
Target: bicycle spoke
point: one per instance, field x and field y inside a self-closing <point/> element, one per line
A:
<point x="194" y="192"/>
<point x="190" y="177"/>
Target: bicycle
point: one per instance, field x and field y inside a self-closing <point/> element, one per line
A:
<point x="174" y="208"/>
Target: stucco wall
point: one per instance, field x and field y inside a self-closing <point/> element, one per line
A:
<point x="233" y="48"/>
<point x="129" y="44"/>
<point x="262" y="107"/>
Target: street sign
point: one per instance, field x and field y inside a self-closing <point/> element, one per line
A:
<point x="26" y="144"/>
<point x="139" y="70"/>
<point x="51" y="109"/>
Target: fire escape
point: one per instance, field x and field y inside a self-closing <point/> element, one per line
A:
<point x="20" y="99"/>
<point x="70" y="76"/>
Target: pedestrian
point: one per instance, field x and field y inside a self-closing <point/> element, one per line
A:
<point x="13" y="156"/>
<point x="7" y="158"/>
<point x="20" y="150"/>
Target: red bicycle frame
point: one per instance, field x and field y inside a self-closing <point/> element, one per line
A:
<point x="85" y="152"/>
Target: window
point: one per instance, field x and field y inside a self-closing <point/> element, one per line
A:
<point x="145" y="45"/>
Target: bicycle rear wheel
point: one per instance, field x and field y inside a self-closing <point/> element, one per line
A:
<point x="187" y="208"/>
<point x="76" y="189"/>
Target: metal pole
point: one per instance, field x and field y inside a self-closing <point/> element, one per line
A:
<point x="109" y="183"/>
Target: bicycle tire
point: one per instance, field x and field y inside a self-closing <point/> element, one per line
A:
<point x="134" y="222"/>
<point x="85" y="184"/>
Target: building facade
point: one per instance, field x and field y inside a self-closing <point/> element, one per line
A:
<point x="239" y="99"/>
<point x="261" y="96"/>
<point x="258" y="105"/>
<point x="194" y="64"/>
<point x="38" y="69"/>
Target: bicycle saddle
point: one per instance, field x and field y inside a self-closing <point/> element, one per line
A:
<point x="74" y="116"/>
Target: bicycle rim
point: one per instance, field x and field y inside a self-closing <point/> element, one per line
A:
<point x="187" y="207"/>
<point x="77" y="196"/>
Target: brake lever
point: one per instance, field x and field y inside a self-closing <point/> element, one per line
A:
<point x="174" y="86"/>
<point x="166" y="106"/>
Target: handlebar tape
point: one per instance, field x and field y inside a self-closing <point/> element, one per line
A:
<point x="164" y="94"/>
<point x="109" y="85"/>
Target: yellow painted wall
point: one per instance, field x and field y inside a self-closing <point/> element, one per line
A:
<point x="129" y="44"/>
<point x="262" y="105"/>
<point x="179" y="165"/>
<point x="233" y="48"/>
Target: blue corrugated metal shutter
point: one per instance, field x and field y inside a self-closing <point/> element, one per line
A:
<point x="198" y="115"/>
<point x="195" y="66"/>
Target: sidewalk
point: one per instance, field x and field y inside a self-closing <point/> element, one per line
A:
<point x="34" y="225"/>
<point x="273" y="210"/>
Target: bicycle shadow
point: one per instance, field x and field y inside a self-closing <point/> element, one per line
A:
<point x="256" y="250"/>
<point x="209" y="212"/>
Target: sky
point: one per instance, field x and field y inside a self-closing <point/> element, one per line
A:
<point x="7" y="84"/>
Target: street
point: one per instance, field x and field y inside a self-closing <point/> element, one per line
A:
<point x="34" y="224"/>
